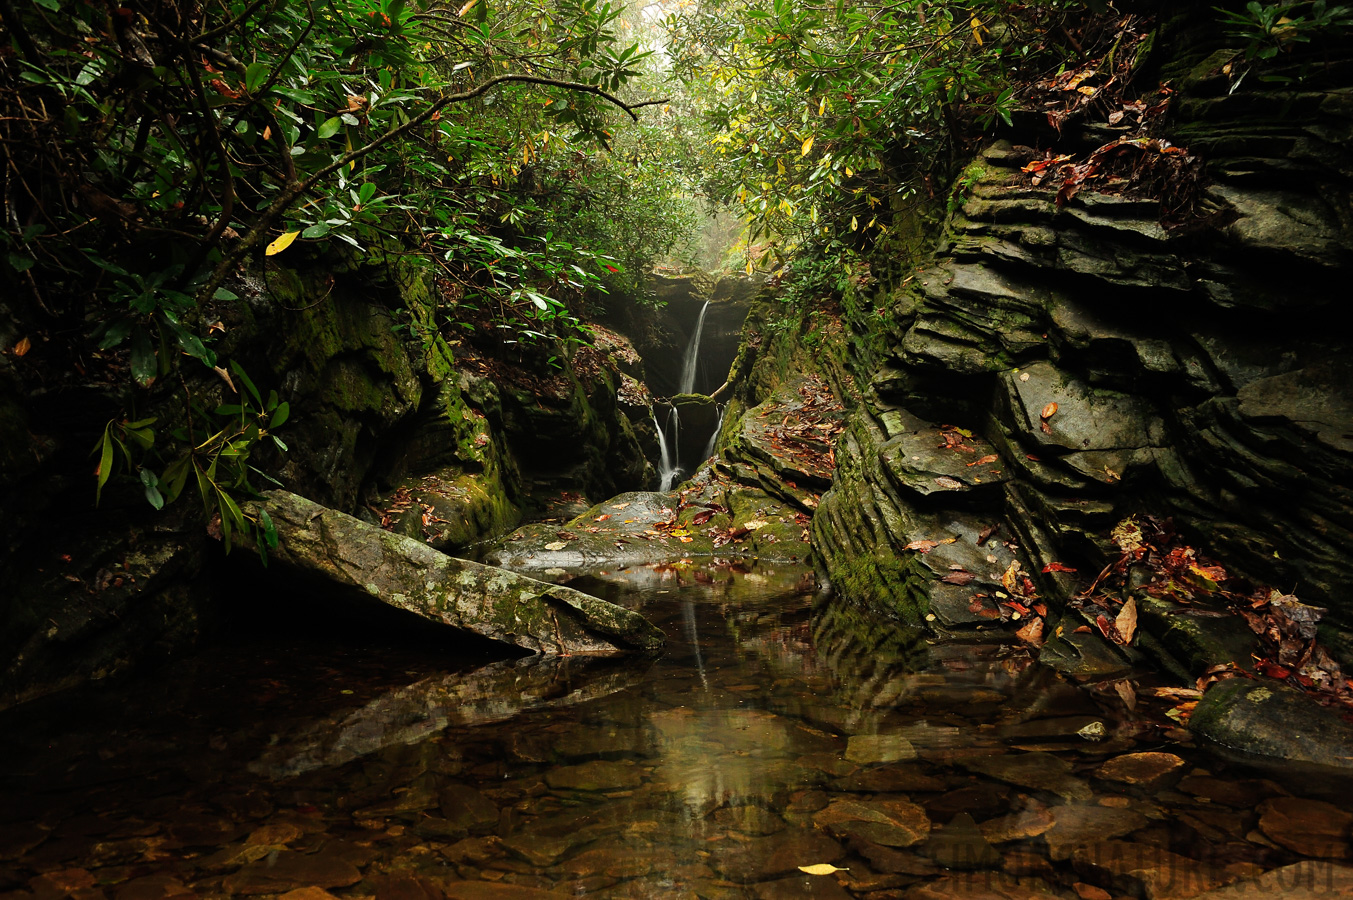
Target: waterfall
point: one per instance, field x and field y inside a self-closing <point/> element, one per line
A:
<point x="687" y="385"/>
<point x="713" y="438"/>
<point x="667" y="464"/>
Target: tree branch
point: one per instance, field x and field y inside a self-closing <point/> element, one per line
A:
<point x="294" y="192"/>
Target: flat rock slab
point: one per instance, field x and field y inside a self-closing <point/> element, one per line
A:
<point x="712" y="516"/>
<point x="764" y="858"/>
<point x="868" y="749"/>
<point x="598" y="775"/>
<point x="892" y="823"/>
<point x="1076" y="826"/>
<point x="961" y="845"/>
<point x="289" y="869"/>
<point x="1038" y="771"/>
<point x="409" y="575"/>
<point x="1148" y="869"/>
<point x="1307" y="880"/>
<point x="1148" y="769"/>
<point x="1308" y="827"/>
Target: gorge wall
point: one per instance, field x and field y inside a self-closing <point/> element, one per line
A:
<point x="389" y="422"/>
<point x="1198" y="372"/>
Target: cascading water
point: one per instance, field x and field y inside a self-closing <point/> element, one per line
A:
<point x="713" y="438"/>
<point x="687" y="384"/>
<point x="667" y="467"/>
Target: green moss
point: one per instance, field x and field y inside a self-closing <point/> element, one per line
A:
<point x="882" y="581"/>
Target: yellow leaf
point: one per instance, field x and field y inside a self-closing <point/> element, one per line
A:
<point x="780" y="166"/>
<point x="807" y="145"/>
<point x="821" y="869"/>
<point x="749" y="267"/>
<point x="976" y="24"/>
<point x="854" y="224"/>
<point x="466" y="8"/>
<point x="822" y="107"/>
<point x="281" y="243"/>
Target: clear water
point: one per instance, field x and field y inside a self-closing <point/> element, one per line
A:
<point x="776" y="731"/>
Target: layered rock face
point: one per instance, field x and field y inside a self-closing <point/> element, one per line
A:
<point x="1057" y="369"/>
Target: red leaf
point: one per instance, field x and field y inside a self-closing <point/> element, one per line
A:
<point x="1057" y="567"/>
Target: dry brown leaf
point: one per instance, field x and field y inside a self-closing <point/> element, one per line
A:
<point x="1048" y="411"/>
<point x="1032" y="633"/>
<point x="23" y="346"/>
<point x="1126" y="622"/>
<point x="1127" y="694"/>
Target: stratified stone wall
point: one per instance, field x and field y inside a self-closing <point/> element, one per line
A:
<point x="1201" y="373"/>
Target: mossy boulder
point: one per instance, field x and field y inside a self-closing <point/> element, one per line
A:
<point x="409" y="575"/>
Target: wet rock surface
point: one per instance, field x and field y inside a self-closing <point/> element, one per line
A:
<point x="409" y="575"/>
<point x="1109" y="364"/>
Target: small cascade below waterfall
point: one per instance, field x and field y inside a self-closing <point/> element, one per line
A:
<point x="688" y="364"/>
<point x="667" y="462"/>
<point x="714" y="437"/>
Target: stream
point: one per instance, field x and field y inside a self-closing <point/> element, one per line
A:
<point x="776" y="731"/>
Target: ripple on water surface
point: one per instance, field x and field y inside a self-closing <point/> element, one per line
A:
<point x="777" y="731"/>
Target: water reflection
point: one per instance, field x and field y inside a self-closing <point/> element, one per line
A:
<point x="778" y="730"/>
<point x="416" y="712"/>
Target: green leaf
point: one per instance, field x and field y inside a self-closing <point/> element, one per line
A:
<point x="315" y="231"/>
<point x="152" y="486"/>
<point x="114" y="334"/>
<point x="105" y="470"/>
<point x="254" y="75"/>
<point x="249" y="384"/>
<point x="280" y="416"/>
<point x="329" y="128"/>
<point x="223" y="294"/>
<point x="269" y="529"/>
<point x="20" y="262"/>
<point x="190" y="343"/>
<point x="144" y="364"/>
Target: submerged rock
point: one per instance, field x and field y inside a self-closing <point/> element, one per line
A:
<point x="407" y="574"/>
<point x="1265" y="718"/>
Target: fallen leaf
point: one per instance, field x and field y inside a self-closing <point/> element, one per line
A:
<point x="945" y="481"/>
<point x="989" y="458"/>
<point x="987" y="533"/>
<point x="23" y="346"/>
<point x="927" y="546"/>
<point x="1024" y="376"/>
<point x="281" y="243"/>
<point x="556" y="545"/>
<point x="703" y="517"/>
<point x="1032" y="633"/>
<point x="821" y="869"/>
<point x="958" y="578"/>
<point x="1127" y="694"/>
<point x="1126" y="622"/>
<point x="685" y="540"/>
<point x="1048" y="411"/>
<point x="1095" y="731"/>
<point x="601" y="518"/>
<point x="1057" y="567"/>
